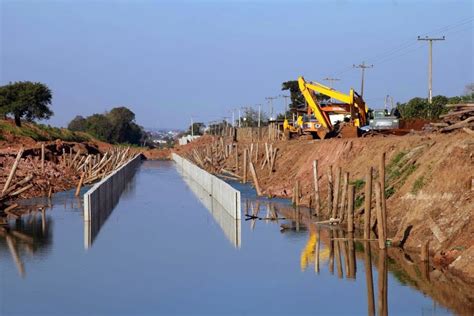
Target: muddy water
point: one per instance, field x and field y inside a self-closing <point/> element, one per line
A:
<point x="167" y="248"/>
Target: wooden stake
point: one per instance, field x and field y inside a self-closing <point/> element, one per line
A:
<point x="236" y="159"/>
<point x="382" y="196"/>
<point x="350" y="209"/>
<point x="329" y="172"/>
<point x="255" y="179"/>
<point x="245" y="167"/>
<point x="342" y="206"/>
<point x="335" y="202"/>
<point x="317" y="202"/>
<point x="368" y="202"/>
<point x="380" y="217"/>
<point x="42" y="158"/>
<point x="425" y="251"/>
<point x="297" y="193"/>
<point x="13" y="170"/>
<point x="79" y="185"/>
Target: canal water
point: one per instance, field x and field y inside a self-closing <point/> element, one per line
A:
<point x="168" y="249"/>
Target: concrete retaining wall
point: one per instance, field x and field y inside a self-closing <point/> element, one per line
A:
<point x="104" y="195"/>
<point x="221" y="191"/>
<point x="187" y="139"/>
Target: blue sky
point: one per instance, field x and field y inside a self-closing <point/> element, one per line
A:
<point x="170" y="60"/>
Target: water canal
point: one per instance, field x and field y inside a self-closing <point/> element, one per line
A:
<point x="168" y="249"/>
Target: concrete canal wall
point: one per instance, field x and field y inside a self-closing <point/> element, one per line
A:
<point x="100" y="200"/>
<point x="221" y="191"/>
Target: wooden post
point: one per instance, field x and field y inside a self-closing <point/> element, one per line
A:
<point x="380" y="218"/>
<point x="317" y="202"/>
<point x="368" y="202"/>
<point x="79" y="185"/>
<point x="50" y="190"/>
<point x="255" y="179"/>
<point x="382" y="196"/>
<point x="425" y="251"/>
<point x="256" y="154"/>
<point x="335" y="203"/>
<point x="42" y="158"/>
<point x="345" y="185"/>
<point x="13" y="170"/>
<point x="329" y="190"/>
<point x="297" y="193"/>
<point x="350" y="209"/>
<point x="245" y="163"/>
<point x="369" y="279"/>
<point x="236" y="159"/>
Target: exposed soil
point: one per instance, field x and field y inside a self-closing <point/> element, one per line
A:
<point x="428" y="184"/>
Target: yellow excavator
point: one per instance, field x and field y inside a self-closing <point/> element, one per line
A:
<point x="343" y="117"/>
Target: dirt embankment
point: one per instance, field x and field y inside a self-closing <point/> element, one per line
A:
<point x="428" y="184"/>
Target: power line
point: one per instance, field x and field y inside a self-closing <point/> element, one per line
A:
<point x="409" y="43"/>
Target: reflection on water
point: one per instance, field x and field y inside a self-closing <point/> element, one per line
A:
<point x="99" y="218"/>
<point x="28" y="235"/>
<point x="230" y="226"/>
<point x="332" y="247"/>
<point x="164" y="245"/>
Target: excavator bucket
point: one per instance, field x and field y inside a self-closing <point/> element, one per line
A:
<point x="322" y="133"/>
<point x="349" y="131"/>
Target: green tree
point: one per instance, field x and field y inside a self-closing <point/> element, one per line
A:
<point x="297" y="99"/>
<point x="78" y="124"/>
<point x="99" y="126"/>
<point x="197" y="127"/>
<point x="26" y="99"/>
<point x="124" y="130"/>
<point x="250" y="117"/>
<point x="420" y="108"/>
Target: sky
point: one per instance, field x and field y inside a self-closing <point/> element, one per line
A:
<point x="169" y="61"/>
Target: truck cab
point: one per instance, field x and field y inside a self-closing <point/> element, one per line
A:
<point x="382" y="119"/>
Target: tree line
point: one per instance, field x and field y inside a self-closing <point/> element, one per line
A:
<point x="116" y="126"/>
<point x="30" y="101"/>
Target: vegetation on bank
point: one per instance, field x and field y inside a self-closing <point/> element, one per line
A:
<point x="29" y="101"/>
<point x="116" y="127"/>
<point x="40" y="132"/>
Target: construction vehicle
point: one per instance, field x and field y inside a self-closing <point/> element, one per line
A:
<point x="343" y="117"/>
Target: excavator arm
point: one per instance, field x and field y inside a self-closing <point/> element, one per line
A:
<point x="321" y="116"/>
<point x="353" y="100"/>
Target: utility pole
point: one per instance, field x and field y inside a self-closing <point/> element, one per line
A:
<point x="259" y="114"/>
<point x="331" y="80"/>
<point x="362" y="66"/>
<point x="240" y="124"/>
<point x="270" y="102"/>
<point x="192" y="127"/>
<point x="233" y="118"/>
<point x="430" y="63"/>
<point x="286" y="97"/>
